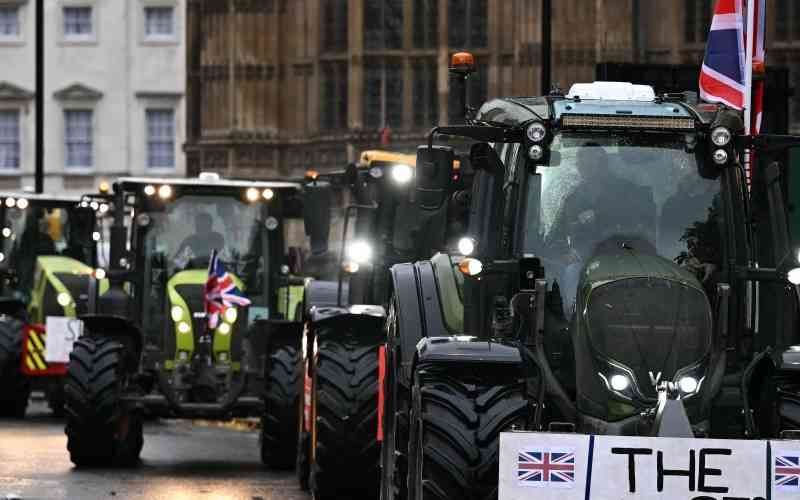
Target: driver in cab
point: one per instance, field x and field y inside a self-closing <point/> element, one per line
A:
<point x="200" y="244"/>
<point x="602" y="213"/>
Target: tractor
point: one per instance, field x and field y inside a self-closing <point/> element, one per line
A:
<point x="623" y="276"/>
<point x="338" y="445"/>
<point x="152" y="348"/>
<point x="48" y="258"/>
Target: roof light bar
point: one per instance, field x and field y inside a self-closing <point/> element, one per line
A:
<point x="622" y="122"/>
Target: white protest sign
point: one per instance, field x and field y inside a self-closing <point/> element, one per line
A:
<point x="546" y="466"/>
<point x="61" y="333"/>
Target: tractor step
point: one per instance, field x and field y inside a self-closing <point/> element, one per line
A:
<point x="159" y="406"/>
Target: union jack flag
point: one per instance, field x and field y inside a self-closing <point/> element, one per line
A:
<point x="722" y="77"/>
<point x="787" y="473"/>
<point x="220" y="292"/>
<point x="546" y="468"/>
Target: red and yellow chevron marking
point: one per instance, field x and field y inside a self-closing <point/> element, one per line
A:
<point x="33" y="362"/>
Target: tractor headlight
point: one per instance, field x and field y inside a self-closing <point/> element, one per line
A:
<point x="470" y="267"/>
<point x="619" y="383"/>
<point x="721" y="136"/>
<point x="376" y="172"/>
<point x="183" y="327"/>
<point x="720" y="157"/>
<point x="165" y="192"/>
<point x="359" y="252"/>
<point x="99" y="273"/>
<point x="794" y="276"/>
<point x="231" y="314"/>
<point x="7" y="232"/>
<point x="149" y="190"/>
<point x="466" y="246"/>
<point x="688" y="384"/>
<point x="22" y="203"/>
<point x="536" y="152"/>
<point x="536" y="132"/>
<point x="143" y="220"/>
<point x="267" y="194"/>
<point x="176" y="313"/>
<point x="63" y="299"/>
<point x="401" y="174"/>
<point x="252" y="194"/>
<point x="96" y="235"/>
<point x="11" y="202"/>
<point x="224" y="328"/>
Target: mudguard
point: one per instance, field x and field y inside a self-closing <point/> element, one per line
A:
<point x="419" y="310"/>
<point x="118" y="328"/>
<point x="322" y="313"/>
<point x="320" y="293"/>
<point x="266" y="335"/>
<point x="466" y="350"/>
<point x="790" y="360"/>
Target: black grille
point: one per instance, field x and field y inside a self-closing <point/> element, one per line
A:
<point x="650" y="325"/>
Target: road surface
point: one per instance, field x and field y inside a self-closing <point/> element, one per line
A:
<point x="179" y="461"/>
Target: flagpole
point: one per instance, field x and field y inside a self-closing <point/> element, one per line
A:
<point x="748" y="65"/>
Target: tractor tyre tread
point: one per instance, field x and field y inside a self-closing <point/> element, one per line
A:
<point x="99" y="431"/>
<point x="278" y="434"/>
<point x="347" y="452"/>
<point x="16" y="386"/>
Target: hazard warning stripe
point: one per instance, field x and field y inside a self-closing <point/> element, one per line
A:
<point x="35" y="359"/>
<point x="36" y="340"/>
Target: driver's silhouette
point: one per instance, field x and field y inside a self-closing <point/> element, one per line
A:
<point x="204" y="240"/>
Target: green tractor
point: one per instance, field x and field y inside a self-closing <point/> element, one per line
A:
<point x="153" y="345"/>
<point x="621" y="281"/>
<point x="338" y="446"/>
<point x="48" y="257"/>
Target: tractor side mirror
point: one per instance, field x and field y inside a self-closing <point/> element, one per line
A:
<point x="317" y="215"/>
<point x="434" y="171"/>
<point x="487" y="199"/>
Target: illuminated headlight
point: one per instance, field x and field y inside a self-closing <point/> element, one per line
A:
<point x="720" y="157"/>
<point x="231" y="314"/>
<point x="721" y="136"/>
<point x="267" y="194"/>
<point x="2" y="257"/>
<point x="688" y="385"/>
<point x="794" y="276"/>
<point x="536" y="152"/>
<point x="99" y="273"/>
<point x="183" y="327"/>
<point x="6" y="232"/>
<point x="11" y="202"/>
<point x="63" y="299"/>
<point x="252" y="194"/>
<point x="466" y="246"/>
<point x="94" y="205"/>
<point x="176" y="313"/>
<point x="284" y="269"/>
<point x="165" y="192"/>
<point x="22" y="203"/>
<point x="619" y="382"/>
<point x="376" y="172"/>
<point x="143" y="220"/>
<point x="402" y="173"/>
<point x="149" y="190"/>
<point x="84" y="204"/>
<point x="351" y="267"/>
<point x="470" y="267"/>
<point x="224" y="328"/>
<point x="536" y="132"/>
<point x="103" y="208"/>
<point x="96" y="236"/>
<point x="359" y="252"/>
<point x="271" y="223"/>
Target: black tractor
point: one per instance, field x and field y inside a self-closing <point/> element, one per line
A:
<point x="338" y="446"/>
<point x="626" y="276"/>
<point x="197" y="320"/>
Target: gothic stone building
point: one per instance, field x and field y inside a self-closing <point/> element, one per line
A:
<point x="279" y="86"/>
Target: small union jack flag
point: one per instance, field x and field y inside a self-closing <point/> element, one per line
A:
<point x="220" y="292"/>
<point x="787" y="473"/>
<point x="546" y="468"/>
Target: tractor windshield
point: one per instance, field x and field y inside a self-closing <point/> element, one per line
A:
<point x="606" y="191"/>
<point x="179" y="238"/>
<point x="33" y="229"/>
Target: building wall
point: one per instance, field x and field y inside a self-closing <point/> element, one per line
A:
<point x="259" y="88"/>
<point x="117" y="73"/>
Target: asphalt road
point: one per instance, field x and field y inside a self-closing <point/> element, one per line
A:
<point x="179" y="461"/>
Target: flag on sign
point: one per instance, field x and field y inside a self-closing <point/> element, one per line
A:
<point x="546" y="468"/>
<point x="722" y="77"/>
<point x="220" y="292"/>
<point x="787" y="473"/>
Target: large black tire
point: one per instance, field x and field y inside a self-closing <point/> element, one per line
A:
<point x="278" y="436"/>
<point x="15" y="385"/>
<point x="346" y="451"/>
<point x="455" y="434"/>
<point x="100" y="432"/>
<point x="394" y="449"/>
